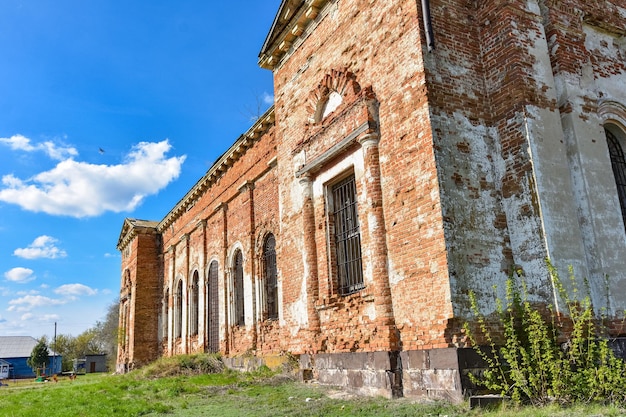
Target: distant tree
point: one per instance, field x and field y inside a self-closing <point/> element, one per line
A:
<point x="65" y="346"/>
<point x="87" y="343"/>
<point x="39" y="357"/>
<point x="107" y="333"/>
<point x="102" y="338"/>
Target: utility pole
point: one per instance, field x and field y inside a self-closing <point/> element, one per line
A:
<point x="54" y="352"/>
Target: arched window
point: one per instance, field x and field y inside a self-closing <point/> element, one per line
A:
<point x="213" y="324"/>
<point x="238" y="298"/>
<point x="618" y="163"/>
<point x="270" y="277"/>
<point x="166" y="318"/>
<point x="194" y="306"/>
<point x="178" y="309"/>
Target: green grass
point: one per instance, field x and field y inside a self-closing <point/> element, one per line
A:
<point x="227" y="393"/>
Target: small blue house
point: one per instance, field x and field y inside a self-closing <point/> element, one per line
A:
<point x="17" y="349"/>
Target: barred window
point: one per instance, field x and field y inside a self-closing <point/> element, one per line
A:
<point x="238" y="289"/>
<point x="194" y="307"/>
<point x="270" y="276"/>
<point x="178" y="310"/>
<point x="347" y="237"/>
<point x="213" y="323"/>
<point x="618" y="163"/>
<point x="166" y="301"/>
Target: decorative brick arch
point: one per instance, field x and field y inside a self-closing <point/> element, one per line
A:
<point x="342" y="82"/>
<point x="613" y="112"/>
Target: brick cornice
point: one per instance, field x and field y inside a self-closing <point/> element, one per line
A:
<point x="290" y="26"/>
<point x="133" y="227"/>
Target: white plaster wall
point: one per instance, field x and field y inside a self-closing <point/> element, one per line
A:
<point x="601" y="224"/>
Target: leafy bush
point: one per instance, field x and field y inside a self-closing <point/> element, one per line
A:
<point x="533" y="365"/>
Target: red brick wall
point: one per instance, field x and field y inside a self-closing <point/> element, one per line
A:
<point x="463" y="170"/>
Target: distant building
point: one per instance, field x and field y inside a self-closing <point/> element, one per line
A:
<point x="5" y="369"/>
<point x="17" y="349"/>
<point x="414" y="154"/>
<point x="95" y="363"/>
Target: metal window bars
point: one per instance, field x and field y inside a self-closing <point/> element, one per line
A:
<point x="618" y="163"/>
<point x="347" y="237"/>
<point x="271" y="281"/>
<point x="238" y="289"/>
<point x="213" y="309"/>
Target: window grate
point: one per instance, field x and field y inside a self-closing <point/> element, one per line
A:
<point x="347" y="237"/>
<point x="271" y="281"/>
<point x="194" y="310"/>
<point x="178" y="302"/>
<point x="213" y="309"/>
<point x="166" y="313"/>
<point x="238" y="288"/>
<point x="618" y="163"/>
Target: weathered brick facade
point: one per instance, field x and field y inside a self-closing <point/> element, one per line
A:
<point x="483" y="151"/>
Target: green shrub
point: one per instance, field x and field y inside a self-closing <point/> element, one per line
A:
<point x="536" y="363"/>
<point x="184" y="365"/>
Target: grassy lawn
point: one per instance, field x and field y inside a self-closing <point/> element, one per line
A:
<point x="226" y="394"/>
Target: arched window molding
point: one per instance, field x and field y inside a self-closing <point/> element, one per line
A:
<point x="329" y="94"/>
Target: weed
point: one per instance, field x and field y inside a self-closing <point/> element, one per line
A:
<point x="532" y="365"/>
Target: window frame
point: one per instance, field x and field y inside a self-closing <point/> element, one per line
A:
<point x="346" y="266"/>
<point x="212" y="307"/>
<point x="178" y="309"/>
<point x="270" y="278"/>
<point x="616" y="139"/>
<point x="239" y="310"/>
<point x="194" y="304"/>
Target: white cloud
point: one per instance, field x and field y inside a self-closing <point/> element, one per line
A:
<point x="42" y="247"/>
<point x="79" y="189"/>
<point x="75" y="290"/>
<point x="50" y="317"/>
<point x="20" y="275"/>
<point x="46" y="317"/>
<point x="268" y="98"/>
<point x="28" y="302"/>
<point x="54" y="151"/>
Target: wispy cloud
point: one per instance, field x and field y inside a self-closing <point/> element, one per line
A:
<point x="53" y="150"/>
<point x="80" y="189"/>
<point x="42" y="247"/>
<point x="28" y="302"/>
<point x="20" y="275"/>
<point x="75" y="290"/>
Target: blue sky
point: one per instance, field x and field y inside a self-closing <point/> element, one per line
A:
<point x="109" y="109"/>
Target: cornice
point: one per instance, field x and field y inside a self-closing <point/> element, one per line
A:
<point x="132" y="228"/>
<point x="232" y="155"/>
<point x="293" y="19"/>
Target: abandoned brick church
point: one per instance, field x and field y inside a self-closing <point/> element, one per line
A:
<point x="416" y="151"/>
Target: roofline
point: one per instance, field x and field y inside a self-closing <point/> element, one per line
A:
<point x="274" y="23"/>
<point x="288" y="26"/>
<point x="132" y="228"/>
